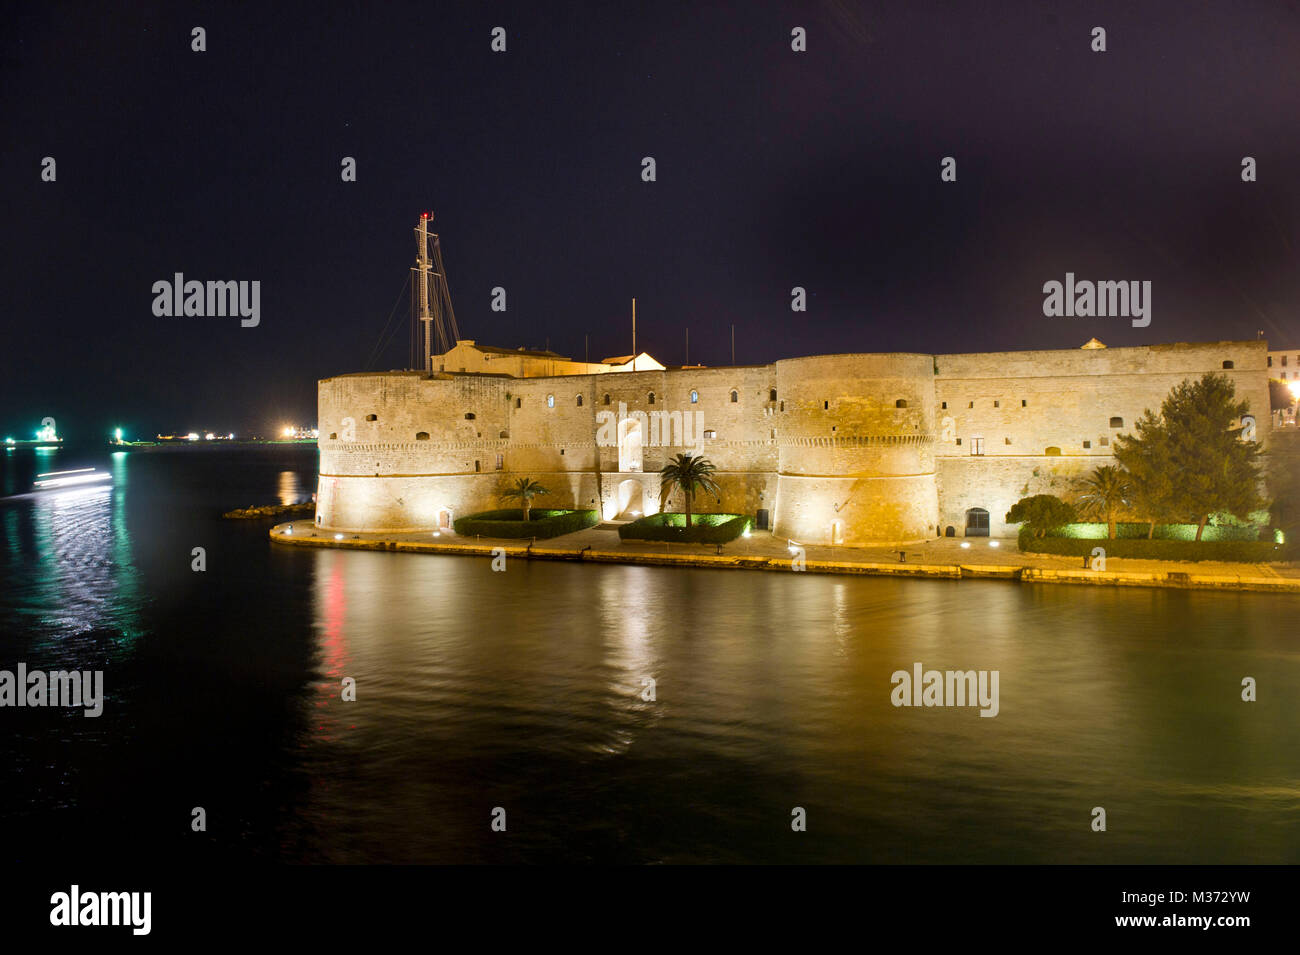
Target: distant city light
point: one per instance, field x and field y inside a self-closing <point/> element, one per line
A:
<point x="46" y="433"/>
<point x="117" y="434"/>
<point x="209" y="436"/>
<point x="290" y="431"/>
<point x="192" y="436"/>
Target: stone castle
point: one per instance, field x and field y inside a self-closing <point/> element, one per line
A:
<point x="848" y="449"/>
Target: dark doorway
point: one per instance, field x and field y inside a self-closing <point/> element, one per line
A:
<point x="761" y="518"/>
<point x="977" y="522"/>
<point x="950" y="532"/>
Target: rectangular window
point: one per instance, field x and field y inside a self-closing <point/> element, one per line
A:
<point x="501" y="461"/>
<point x="976" y="445"/>
<point x="1087" y="444"/>
<point x="477" y="467"/>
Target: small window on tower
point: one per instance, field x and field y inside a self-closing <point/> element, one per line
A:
<point x="469" y="416"/>
<point x="735" y="397"/>
<point x="579" y="401"/>
<point x="695" y="397"/>
<point x="371" y="417"/>
<point x="550" y="401"/>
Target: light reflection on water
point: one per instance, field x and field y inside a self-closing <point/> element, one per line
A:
<point x="523" y="689"/>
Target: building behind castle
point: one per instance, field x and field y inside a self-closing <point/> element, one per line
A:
<point x="846" y="448"/>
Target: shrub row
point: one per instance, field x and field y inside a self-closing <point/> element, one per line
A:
<point x="510" y="523"/>
<point x="1231" y="551"/>
<point x="704" y="529"/>
<point x="1173" y="532"/>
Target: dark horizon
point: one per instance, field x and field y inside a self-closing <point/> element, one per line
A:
<point x="775" y="169"/>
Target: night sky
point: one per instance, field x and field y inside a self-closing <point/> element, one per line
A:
<point x="775" y="169"/>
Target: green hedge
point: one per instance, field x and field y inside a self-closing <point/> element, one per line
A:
<point x="1231" y="551"/>
<point x="704" y="529"/>
<point x="510" y="523"/>
<point x="1171" y="532"/>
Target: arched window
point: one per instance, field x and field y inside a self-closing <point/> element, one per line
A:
<point x="977" y="522"/>
<point x="651" y="399"/>
<point x="1227" y="364"/>
<point x="1117" y="422"/>
<point x="735" y="396"/>
<point x="695" y="397"/>
<point x="579" y="401"/>
<point x="1053" y="452"/>
<point x="469" y="416"/>
<point x="421" y="436"/>
<point x="519" y="402"/>
<point x="900" y="403"/>
<point x="607" y="399"/>
<point x="550" y="401"/>
<point x="771" y="395"/>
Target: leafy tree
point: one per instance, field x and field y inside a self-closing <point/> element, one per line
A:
<point x="1041" y="512"/>
<point x="524" y="490"/>
<point x="690" y="473"/>
<point x="1191" y="460"/>
<point x="1144" y="458"/>
<point x="1104" y="493"/>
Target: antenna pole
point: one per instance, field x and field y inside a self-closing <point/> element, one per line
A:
<point x="634" y="334"/>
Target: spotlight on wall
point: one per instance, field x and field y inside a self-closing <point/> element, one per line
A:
<point x="338" y="537"/>
<point x="965" y="544"/>
<point x="437" y="533"/>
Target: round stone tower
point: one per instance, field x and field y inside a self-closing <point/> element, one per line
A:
<point x="855" y="441"/>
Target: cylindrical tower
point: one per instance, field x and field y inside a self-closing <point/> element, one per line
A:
<point x="855" y="442"/>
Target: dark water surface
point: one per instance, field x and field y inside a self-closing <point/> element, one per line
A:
<point x="523" y="690"/>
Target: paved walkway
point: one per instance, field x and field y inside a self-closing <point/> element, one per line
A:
<point x="946" y="557"/>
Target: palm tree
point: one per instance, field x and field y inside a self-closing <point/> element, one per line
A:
<point x="690" y="473"/>
<point x="1105" y="492"/>
<point x="524" y="490"/>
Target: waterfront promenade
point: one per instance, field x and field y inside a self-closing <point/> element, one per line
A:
<point x="940" y="559"/>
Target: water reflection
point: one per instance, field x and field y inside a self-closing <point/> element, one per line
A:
<point x="290" y="488"/>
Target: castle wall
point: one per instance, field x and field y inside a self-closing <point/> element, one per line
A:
<point x="850" y="448"/>
<point x="1041" y="420"/>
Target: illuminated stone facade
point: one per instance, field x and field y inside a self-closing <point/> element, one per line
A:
<point x="845" y="448"/>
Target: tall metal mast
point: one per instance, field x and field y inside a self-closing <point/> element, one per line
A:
<point x="432" y="296"/>
<point x="422" y="266"/>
